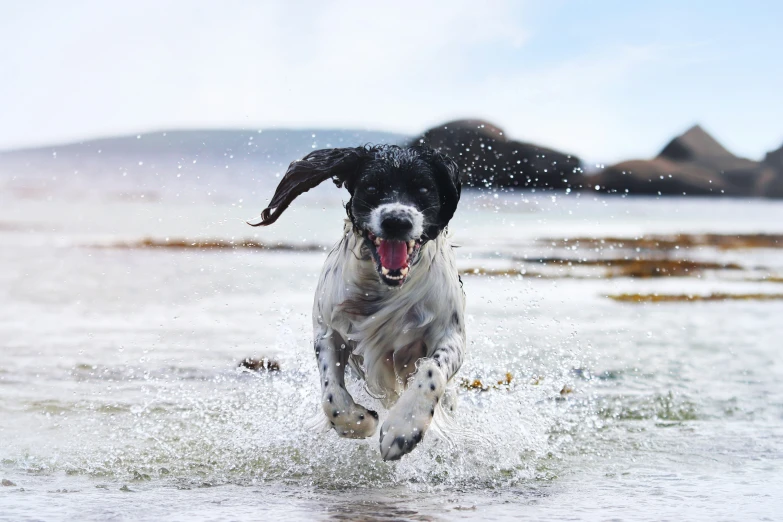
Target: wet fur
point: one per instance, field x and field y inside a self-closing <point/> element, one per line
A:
<point x="408" y="341"/>
<point x="383" y="325"/>
<point x="412" y="336"/>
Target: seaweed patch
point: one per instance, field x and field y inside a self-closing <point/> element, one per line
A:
<point x="259" y="365"/>
<point x="477" y="384"/>
<point x="675" y="241"/>
<point x="209" y="244"/>
<point x="636" y="268"/>
<point x="678" y="298"/>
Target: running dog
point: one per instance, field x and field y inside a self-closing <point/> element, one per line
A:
<point x="389" y="301"/>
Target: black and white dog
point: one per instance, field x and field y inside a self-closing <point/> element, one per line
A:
<point x="389" y="301"/>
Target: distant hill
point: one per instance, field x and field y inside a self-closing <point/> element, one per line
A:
<point x="227" y="164"/>
<point x="694" y="163"/>
<point x="275" y="146"/>
<point x="199" y="164"/>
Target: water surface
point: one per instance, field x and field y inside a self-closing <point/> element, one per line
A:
<point x="120" y="396"/>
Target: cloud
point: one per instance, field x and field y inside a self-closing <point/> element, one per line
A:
<point x="94" y="67"/>
<point x="555" y="74"/>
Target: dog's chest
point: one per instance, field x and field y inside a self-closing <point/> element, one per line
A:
<point x="386" y="344"/>
<point x="387" y="323"/>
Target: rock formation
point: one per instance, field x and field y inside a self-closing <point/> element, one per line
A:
<point x="694" y="163"/>
<point x="487" y="158"/>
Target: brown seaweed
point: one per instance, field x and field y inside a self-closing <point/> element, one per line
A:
<point x="674" y="241"/>
<point x="615" y="267"/>
<point x="477" y="384"/>
<point x="259" y="365"/>
<point x="209" y="244"/>
<point x="501" y="272"/>
<point x="677" y="298"/>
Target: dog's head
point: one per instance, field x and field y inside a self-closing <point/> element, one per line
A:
<point x="401" y="197"/>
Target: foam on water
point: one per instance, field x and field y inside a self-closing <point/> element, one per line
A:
<point x="238" y="427"/>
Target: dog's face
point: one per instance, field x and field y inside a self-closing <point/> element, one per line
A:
<point x="400" y="198"/>
<point x="396" y="207"/>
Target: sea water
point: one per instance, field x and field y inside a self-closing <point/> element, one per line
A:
<point x="120" y="396"/>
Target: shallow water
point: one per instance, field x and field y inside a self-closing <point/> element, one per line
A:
<point x="120" y="397"/>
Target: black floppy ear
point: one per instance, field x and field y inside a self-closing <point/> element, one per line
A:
<point x="449" y="184"/>
<point x="302" y="175"/>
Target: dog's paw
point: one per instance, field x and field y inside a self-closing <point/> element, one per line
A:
<point x="412" y="415"/>
<point x="398" y="438"/>
<point x="349" y="420"/>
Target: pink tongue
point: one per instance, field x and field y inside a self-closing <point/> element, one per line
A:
<point x="394" y="254"/>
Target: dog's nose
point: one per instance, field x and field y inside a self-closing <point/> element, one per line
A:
<point x="396" y="226"/>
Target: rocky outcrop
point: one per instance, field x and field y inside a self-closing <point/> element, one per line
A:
<point x="773" y="164"/>
<point x="487" y="158"/>
<point x="693" y="163"/>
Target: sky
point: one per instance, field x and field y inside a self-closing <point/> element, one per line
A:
<point x="606" y="80"/>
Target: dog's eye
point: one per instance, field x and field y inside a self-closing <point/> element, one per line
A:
<point x="372" y="190"/>
<point x="424" y="190"/>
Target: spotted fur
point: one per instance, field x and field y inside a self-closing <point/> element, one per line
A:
<point x="359" y="321"/>
<point x="403" y="334"/>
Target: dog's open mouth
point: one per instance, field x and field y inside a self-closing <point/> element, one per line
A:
<point x="393" y="258"/>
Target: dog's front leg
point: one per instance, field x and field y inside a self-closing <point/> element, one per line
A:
<point x="348" y="419"/>
<point x="411" y="416"/>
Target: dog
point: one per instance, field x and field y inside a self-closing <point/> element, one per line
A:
<point x="389" y="300"/>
